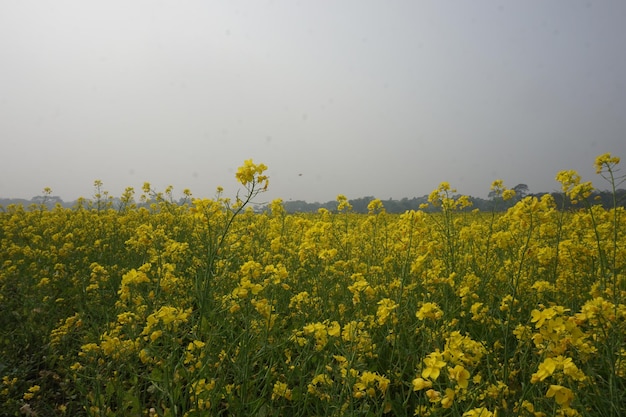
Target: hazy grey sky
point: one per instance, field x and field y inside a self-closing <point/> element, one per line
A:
<point x="381" y="98"/>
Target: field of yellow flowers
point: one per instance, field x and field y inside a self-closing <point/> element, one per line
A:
<point x="208" y="308"/>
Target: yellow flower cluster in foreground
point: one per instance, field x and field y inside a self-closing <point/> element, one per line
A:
<point x="208" y="308"/>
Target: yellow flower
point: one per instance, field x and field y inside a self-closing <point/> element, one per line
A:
<point x="561" y="394"/>
<point x="321" y="379"/>
<point x="605" y="160"/>
<point x="464" y="201"/>
<point x="620" y="364"/>
<point x="539" y="317"/>
<point x="478" y="412"/>
<point x="144" y="356"/>
<point x="530" y="408"/>
<point x="433" y="363"/>
<point x="385" y="309"/>
<point x="250" y="174"/>
<point x="316" y="387"/>
<point x="421" y="383"/>
<point x="196" y="344"/>
<point x="375" y="206"/>
<point x="460" y="375"/>
<point x="508" y="194"/>
<point x="433" y="396"/>
<point x="318" y="330"/>
<point x="581" y="191"/>
<point x="546" y="368"/>
<point x="422" y="410"/>
<point x="430" y="311"/>
<point x="281" y="390"/>
<point x="277" y="208"/>
<point x="440" y="195"/>
<point x="463" y="350"/>
<point x="366" y="383"/>
<point x="497" y="186"/>
<point x="334" y="329"/>
<point x="479" y="311"/>
<point x="343" y="203"/>
<point x="570" y="369"/>
<point x="43" y="282"/>
<point x="89" y="347"/>
<point x="31" y="392"/>
<point x="448" y="399"/>
<point x="568" y="179"/>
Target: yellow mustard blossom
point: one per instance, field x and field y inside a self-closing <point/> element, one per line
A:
<point x="597" y="311"/>
<point x="478" y="412"/>
<point x="479" y="311"/>
<point x="319" y="385"/>
<point x="460" y="375"/>
<point x="422" y="410"/>
<point x="277" y="208"/>
<point x="605" y="161"/>
<point x="375" y="206"/>
<point x="540" y="317"/>
<point x="562" y="395"/>
<point x="546" y="369"/>
<point x="368" y="383"/>
<point x="281" y="390"/>
<point x="343" y="204"/>
<point x="620" y="364"/>
<point x="580" y="191"/>
<point x="333" y="329"/>
<point x="559" y="363"/>
<point x="463" y="350"/>
<point x="68" y="325"/>
<point x="433" y="395"/>
<point x="31" y="392"/>
<point x="542" y="286"/>
<point x="129" y="280"/>
<point x="200" y="393"/>
<point x="429" y="310"/>
<point x="251" y="174"/>
<point x="448" y="398"/>
<point x="441" y="196"/>
<point x="508" y="194"/>
<point x="432" y="365"/>
<point x="360" y="286"/>
<point x="530" y="408"/>
<point x="169" y="317"/>
<point x="421" y="383"/>
<point x="568" y="179"/>
<point x="318" y="330"/>
<point x="385" y="310"/>
<point x="497" y="186"/>
<point x="265" y="309"/>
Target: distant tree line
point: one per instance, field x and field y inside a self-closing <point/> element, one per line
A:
<point x="359" y="205"/>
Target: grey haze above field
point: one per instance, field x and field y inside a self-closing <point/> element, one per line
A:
<point x="362" y="98"/>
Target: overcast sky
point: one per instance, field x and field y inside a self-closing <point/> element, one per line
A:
<point x="364" y="98"/>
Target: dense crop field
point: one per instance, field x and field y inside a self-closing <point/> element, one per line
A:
<point x="209" y="308"/>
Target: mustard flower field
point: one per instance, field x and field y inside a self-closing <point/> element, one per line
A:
<point x="208" y="308"/>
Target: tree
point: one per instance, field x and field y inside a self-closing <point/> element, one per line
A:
<point x="521" y="190"/>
